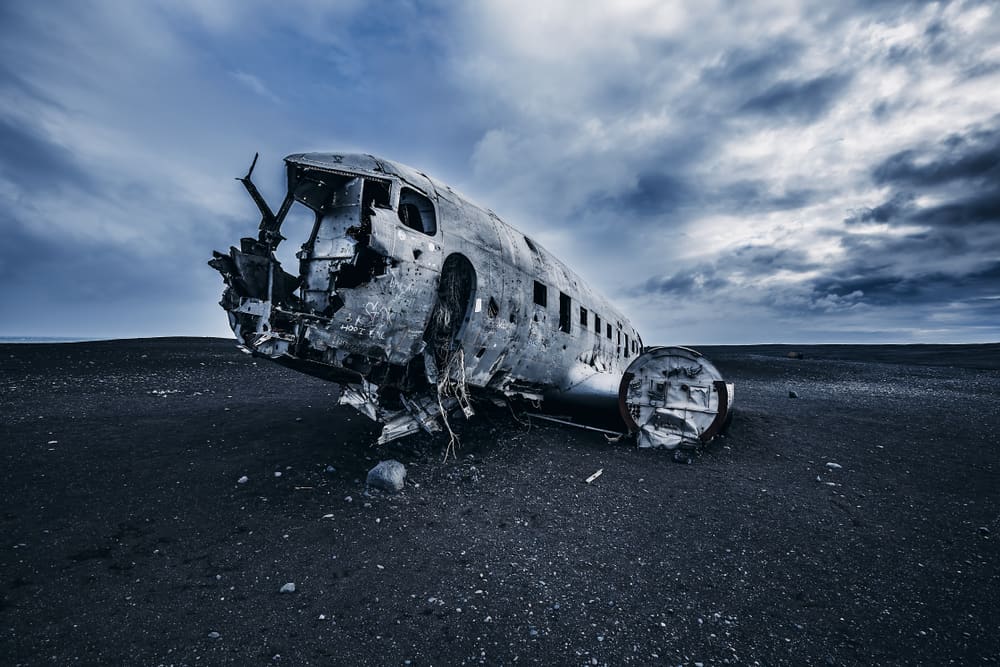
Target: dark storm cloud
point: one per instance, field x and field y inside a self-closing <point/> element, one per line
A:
<point x="972" y="156"/>
<point x="885" y="286"/>
<point x="895" y="209"/>
<point x="962" y="172"/>
<point x="34" y="162"/>
<point x="802" y="100"/>
<point x="655" y="193"/>
<point x="974" y="210"/>
<point x="658" y="194"/>
<point x="757" y="196"/>
<point x="748" y="261"/>
<point x="743" y="66"/>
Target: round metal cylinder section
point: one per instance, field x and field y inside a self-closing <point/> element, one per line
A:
<point x="673" y="397"/>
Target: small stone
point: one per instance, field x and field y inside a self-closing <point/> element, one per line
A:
<point x="322" y="617"/>
<point x="331" y="469"/>
<point x="834" y="466"/>
<point x="681" y="457"/>
<point x="792" y="394"/>
<point x="984" y="531"/>
<point x="213" y="635"/>
<point x="277" y="473"/>
<point x="349" y="499"/>
<point x="288" y="588"/>
<point x="243" y="480"/>
<point x="387" y="475"/>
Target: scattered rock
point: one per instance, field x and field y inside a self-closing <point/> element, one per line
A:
<point x="387" y="475"/>
<point x="214" y="635"/>
<point x="277" y="473"/>
<point x="288" y="588"/>
<point x="834" y="466"/>
<point x="681" y="456"/>
<point x="348" y="499"/>
<point x="331" y="469"/>
<point x="792" y="394"/>
<point x="984" y="531"/>
<point x="243" y="480"/>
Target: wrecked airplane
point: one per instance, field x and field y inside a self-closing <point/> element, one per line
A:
<point x="417" y="301"/>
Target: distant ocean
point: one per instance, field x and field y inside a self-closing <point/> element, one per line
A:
<point x="45" y="339"/>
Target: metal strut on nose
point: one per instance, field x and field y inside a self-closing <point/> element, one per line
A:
<point x="270" y="224"/>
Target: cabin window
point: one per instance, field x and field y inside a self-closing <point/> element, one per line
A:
<point x="541" y="294"/>
<point x="374" y="194"/>
<point x="417" y="212"/>
<point x="628" y="347"/>
<point x="597" y="324"/>
<point x="583" y="316"/>
<point x="609" y="331"/>
<point x="565" y="308"/>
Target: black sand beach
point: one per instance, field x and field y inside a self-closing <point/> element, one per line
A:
<point x="128" y="539"/>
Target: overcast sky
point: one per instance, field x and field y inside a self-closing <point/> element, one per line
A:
<point x="727" y="172"/>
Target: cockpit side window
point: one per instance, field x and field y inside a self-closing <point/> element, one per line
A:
<point x="417" y="212"/>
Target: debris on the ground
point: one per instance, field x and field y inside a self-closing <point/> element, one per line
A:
<point x="594" y="476"/>
<point x="277" y="473"/>
<point x="214" y="635"/>
<point x="834" y="466"/>
<point x="387" y="475"/>
<point x="288" y="588"/>
<point x="792" y="394"/>
<point x="243" y="480"/>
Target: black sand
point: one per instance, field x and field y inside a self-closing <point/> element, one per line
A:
<point x="128" y="540"/>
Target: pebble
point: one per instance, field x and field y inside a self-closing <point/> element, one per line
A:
<point x="243" y="480"/>
<point x="288" y="588"/>
<point x="331" y="469"/>
<point x="984" y="531"/>
<point x="834" y="466"/>
<point x="277" y="473"/>
<point x="349" y="499"/>
<point x="792" y="394"/>
<point x="213" y="635"/>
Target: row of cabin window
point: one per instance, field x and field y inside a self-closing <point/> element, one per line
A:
<point x="565" y="309"/>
